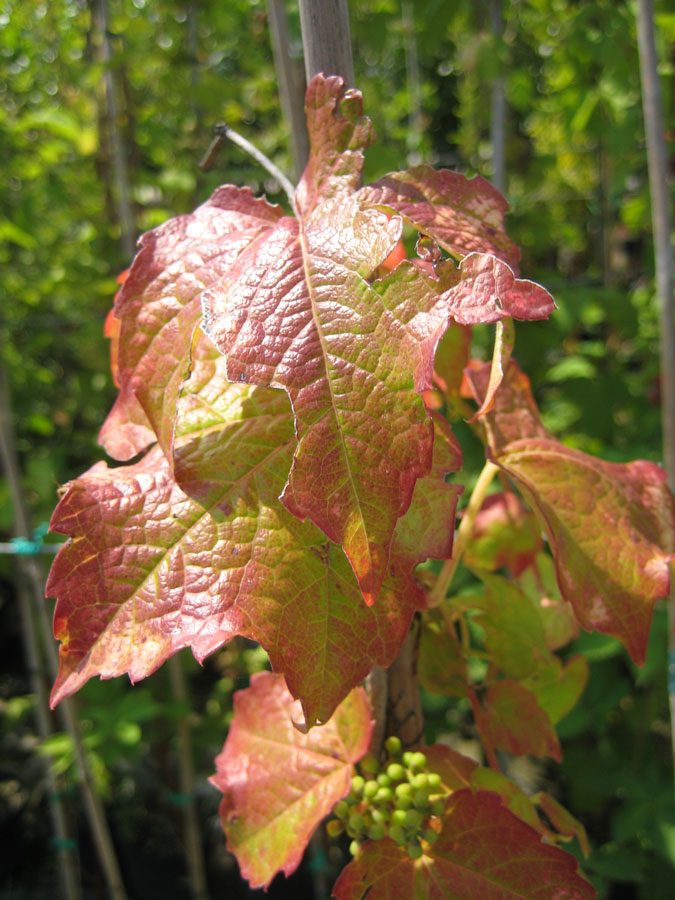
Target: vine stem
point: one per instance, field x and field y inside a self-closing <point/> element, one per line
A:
<point x="445" y="576"/>
<point x="477" y="709"/>
<point x="223" y="132"/>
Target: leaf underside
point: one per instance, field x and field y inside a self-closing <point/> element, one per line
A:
<point x="606" y="522"/>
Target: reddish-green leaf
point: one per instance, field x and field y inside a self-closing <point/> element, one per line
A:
<point x="159" y="306"/>
<point x="297" y="311"/>
<point x="456" y="770"/>
<point x="539" y="583"/>
<point x="278" y="784"/>
<point x="513" y="720"/>
<point x="563" y="821"/>
<point x="505" y="534"/>
<point x="162" y="560"/>
<point x="484" y="853"/>
<point x="462" y="215"/>
<point x="514" y="797"/>
<point x="607" y="523"/>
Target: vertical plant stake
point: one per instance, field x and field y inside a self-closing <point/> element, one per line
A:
<point x="271" y="371"/>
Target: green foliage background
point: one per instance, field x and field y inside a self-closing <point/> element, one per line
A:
<point x="577" y="184"/>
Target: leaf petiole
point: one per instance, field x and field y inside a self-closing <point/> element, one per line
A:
<point x="445" y="576"/>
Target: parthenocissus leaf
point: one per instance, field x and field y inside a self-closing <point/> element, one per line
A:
<point x="278" y="784"/>
<point x="298" y="311"/>
<point x="611" y="526"/>
<point x="163" y="560"/>
<point x="483" y="853"/>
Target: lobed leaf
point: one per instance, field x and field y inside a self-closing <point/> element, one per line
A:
<point x="610" y="526"/>
<point x="298" y="311"/>
<point x="463" y="215"/>
<point x="514" y="632"/>
<point x="277" y="783"/>
<point x="159" y="305"/>
<point x="514" y="721"/>
<point x="484" y="853"/>
<point x="164" y="559"/>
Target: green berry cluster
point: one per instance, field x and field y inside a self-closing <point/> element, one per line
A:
<point x="400" y="800"/>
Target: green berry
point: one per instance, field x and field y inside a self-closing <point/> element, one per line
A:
<point x="412" y="818"/>
<point x="403" y="790"/>
<point x="398" y="817"/>
<point x="384" y="795"/>
<point x="356" y="822"/>
<point x="379" y="815"/>
<point x="369" y="765"/>
<point x="370" y="788"/>
<point x="357" y="785"/>
<point x="407" y="758"/>
<point x="418" y="761"/>
<point x="437" y="807"/>
<point x="354" y="847"/>
<point x="393" y="745"/>
<point x="376" y="832"/>
<point x="421" y="799"/>
<point x="397" y="834"/>
<point x="434" y="781"/>
<point x="341" y="809"/>
<point x="395" y="771"/>
<point x="414" y="851"/>
<point x="334" y="828"/>
<point x="383" y="779"/>
<point x="430" y="836"/>
<point x="419" y="782"/>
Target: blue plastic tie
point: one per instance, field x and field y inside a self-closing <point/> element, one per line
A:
<point x="27" y="546"/>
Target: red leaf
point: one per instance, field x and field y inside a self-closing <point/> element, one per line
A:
<point x="463" y="215"/>
<point x="484" y="853"/>
<point x="157" y="564"/>
<point x="278" y="784"/>
<point x="607" y="523"/>
<point x="297" y="311"/>
<point x="514" y="721"/>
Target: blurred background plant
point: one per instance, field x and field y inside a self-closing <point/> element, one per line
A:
<point x="106" y="106"/>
